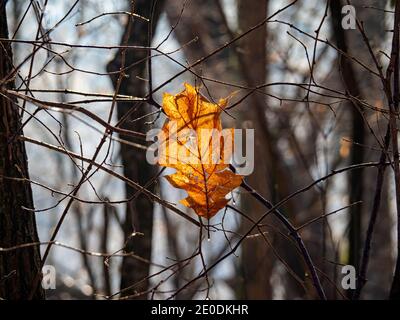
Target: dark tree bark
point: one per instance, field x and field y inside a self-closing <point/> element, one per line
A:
<point x="139" y="212"/>
<point x="257" y="259"/>
<point x="395" y="288"/>
<point x="359" y="82"/>
<point x="357" y="135"/>
<point x="17" y="225"/>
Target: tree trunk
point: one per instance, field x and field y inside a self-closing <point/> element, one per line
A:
<point x="257" y="259"/>
<point x="360" y="83"/>
<point x="355" y="182"/>
<point x="139" y="212"/>
<point x="17" y="225"/>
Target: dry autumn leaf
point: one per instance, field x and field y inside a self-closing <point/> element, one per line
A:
<point x="193" y="142"/>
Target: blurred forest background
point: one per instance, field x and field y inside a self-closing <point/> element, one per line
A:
<point x="85" y="76"/>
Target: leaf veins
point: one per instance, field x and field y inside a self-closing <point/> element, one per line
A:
<point x="193" y="142"/>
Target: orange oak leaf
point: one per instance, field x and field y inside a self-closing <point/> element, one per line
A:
<point x="193" y="142"/>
